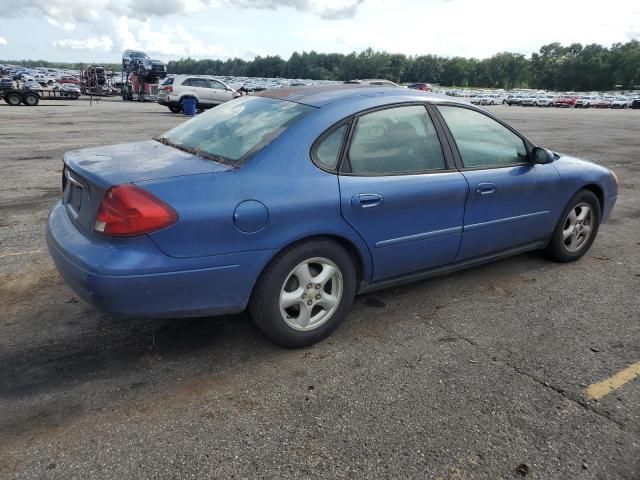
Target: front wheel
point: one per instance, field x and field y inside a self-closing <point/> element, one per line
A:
<point x="175" y="109"/>
<point x="304" y="294"/>
<point x="577" y="229"/>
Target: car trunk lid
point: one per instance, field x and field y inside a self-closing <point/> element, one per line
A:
<point x="89" y="173"/>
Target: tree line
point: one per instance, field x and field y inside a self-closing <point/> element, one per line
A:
<point x="553" y="67"/>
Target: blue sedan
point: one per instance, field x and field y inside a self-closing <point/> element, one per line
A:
<point x="293" y="201"/>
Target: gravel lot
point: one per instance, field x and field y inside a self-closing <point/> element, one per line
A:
<point x="480" y="374"/>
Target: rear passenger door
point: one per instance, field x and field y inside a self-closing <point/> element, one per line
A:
<point x="187" y="88"/>
<point x="202" y="90"/>
<point x="399" y="190"/>
<point x="511" y="199"/>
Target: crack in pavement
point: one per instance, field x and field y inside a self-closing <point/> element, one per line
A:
<point x="585" y="405"/>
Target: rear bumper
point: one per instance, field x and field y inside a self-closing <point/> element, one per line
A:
<point x="133" y="278"/>
<point x="165" y="100"/>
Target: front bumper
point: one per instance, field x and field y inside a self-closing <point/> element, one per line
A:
<point x="132" y="277"/>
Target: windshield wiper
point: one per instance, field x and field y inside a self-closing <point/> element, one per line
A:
<point x="196" y="151"/>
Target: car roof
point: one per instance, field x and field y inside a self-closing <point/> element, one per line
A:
<point x="321" y="95"/>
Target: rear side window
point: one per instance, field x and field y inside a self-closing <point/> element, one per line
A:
<point x="400" y="140"/>
<point x="327" y="151"/>
<point x="236" y="129"/>
<point x="481" y="141"/>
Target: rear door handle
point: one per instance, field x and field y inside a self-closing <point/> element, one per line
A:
<point x="366" y="200"/>
<point x="485" y="190"/>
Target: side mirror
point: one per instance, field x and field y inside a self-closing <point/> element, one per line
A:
<point x="541" y="155"/>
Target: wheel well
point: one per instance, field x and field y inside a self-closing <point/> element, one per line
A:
<point x="595" y="189"/>
<point x="349" y="246"/>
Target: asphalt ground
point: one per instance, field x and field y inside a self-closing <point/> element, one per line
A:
<point x="478" y="374"/>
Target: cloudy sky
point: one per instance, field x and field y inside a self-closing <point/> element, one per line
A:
<point x="99" y="30"/>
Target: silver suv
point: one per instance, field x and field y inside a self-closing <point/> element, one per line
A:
<point x="207" y="91"/>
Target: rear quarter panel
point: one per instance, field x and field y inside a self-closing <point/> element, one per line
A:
<point x="302" y="201"/>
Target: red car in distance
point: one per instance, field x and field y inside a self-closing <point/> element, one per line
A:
<point x="425" y="87"/>
<point x="565" y="101"/>
<point x="69" y="79"/>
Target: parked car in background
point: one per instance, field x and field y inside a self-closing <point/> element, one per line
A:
<point x="492" y="99"/>
<point x="528" y="100"/>
<point x="603" y="102"/>
<point x="44" y="79"/>
<point x="373" y="81"/>
<point x="620" y="102"/>
<point x="207" y="91"/>
<point x="130" y="56"/>
<point x="425" y="87"/>
<point x="513" y="99"/>
<point x="7" y="83"/>
<point x="293" y="200"/>
<point x="565" y="101"/>
<point x="69" y="79"/>
<point x="635" y="103"/>
<point x="586" y="101"/>
<point x="544" y="101"/>
<point x="70" y="88"/>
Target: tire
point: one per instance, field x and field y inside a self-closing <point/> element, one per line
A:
<point x="31" y="99"/>
<point x="288" y="326"/>
<point x="558" y="249"/>
<point x="175" y="109"/>
<point x="14" y="99"/>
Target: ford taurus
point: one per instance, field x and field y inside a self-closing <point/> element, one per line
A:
<point x="293" y="201"/>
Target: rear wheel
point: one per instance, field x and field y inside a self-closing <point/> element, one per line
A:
<point x="14" y="99"/>
<point x="577" y="229"/>
<point x="304" y="294"/>
<point x="31" y="99"/>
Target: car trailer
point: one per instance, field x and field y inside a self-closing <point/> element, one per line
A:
<point x="31" y="97"/>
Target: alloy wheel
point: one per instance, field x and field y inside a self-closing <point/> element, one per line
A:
<point x="578" y="227"/>
<point x="311" y="294"/>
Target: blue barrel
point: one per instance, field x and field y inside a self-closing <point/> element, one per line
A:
<point x="189" y="106"/>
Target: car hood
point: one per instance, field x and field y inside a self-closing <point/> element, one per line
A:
<point x="136" y="162"/>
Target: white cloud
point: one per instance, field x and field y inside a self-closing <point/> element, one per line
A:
<point x="96" y="44"/>
<point x="66" y="26"/>
<point x="3" y="41"/>
<point x="169" y="40"/>
<point x="326" y="9"/>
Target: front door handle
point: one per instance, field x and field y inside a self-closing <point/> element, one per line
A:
<point x="366" y="200"/>
<point x="486" y="190"/>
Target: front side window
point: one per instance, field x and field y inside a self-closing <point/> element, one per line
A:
<point x="395" y="141"/>
<point x="481" y="141"/>
<point x="236" y="129"/>
<point x="216" y="85"/>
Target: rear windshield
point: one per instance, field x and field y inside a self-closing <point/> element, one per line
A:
<point x="235" y="130"/>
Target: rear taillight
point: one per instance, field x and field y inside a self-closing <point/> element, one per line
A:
<point x="168" y="89"/>
<point x="127" y="210"/>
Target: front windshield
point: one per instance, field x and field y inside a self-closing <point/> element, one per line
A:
<point x="236" y="129"/>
